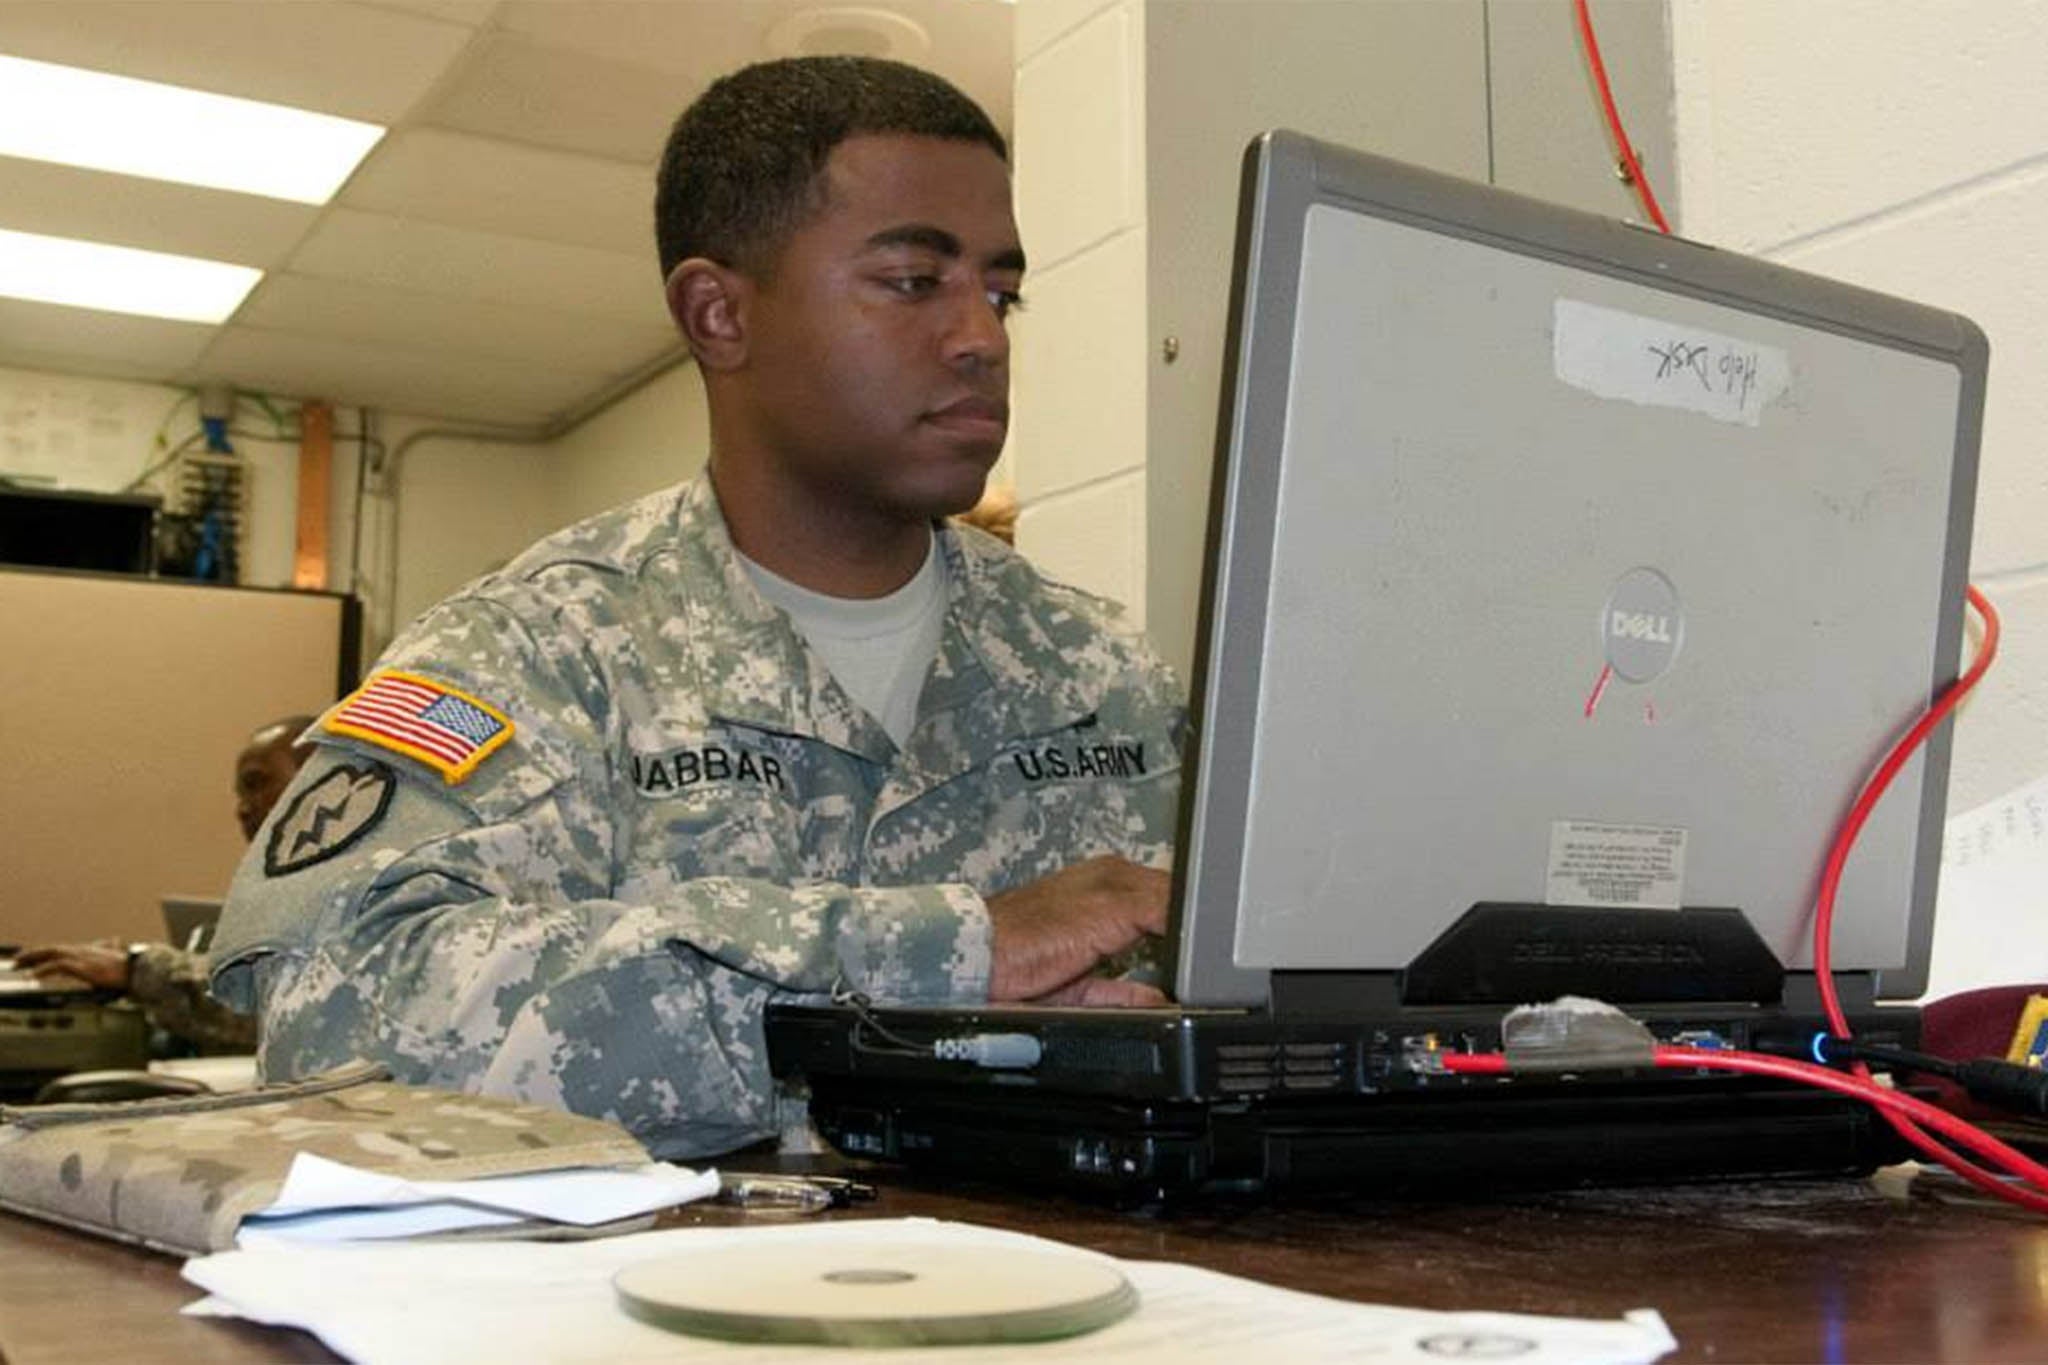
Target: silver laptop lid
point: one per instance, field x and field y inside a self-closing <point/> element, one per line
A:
<point x="1559" y="562"/>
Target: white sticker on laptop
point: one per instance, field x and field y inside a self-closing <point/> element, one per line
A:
<point x="1630" y="867"/>
<point x="1637" y="359"/>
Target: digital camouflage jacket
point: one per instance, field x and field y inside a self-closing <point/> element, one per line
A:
<point x="601" y="807"/>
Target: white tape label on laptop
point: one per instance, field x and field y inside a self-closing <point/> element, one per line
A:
<point x="1636" y="867"/>
<point x="1639" y="359"/>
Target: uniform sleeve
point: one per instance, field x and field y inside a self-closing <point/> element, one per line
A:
<point x="170" y="985"/>
<point x="464" y="935"/>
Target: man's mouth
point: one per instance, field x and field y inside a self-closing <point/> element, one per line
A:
<point x="985" y="418"/>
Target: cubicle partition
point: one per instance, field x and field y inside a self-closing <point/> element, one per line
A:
<point x="123" y="701"/>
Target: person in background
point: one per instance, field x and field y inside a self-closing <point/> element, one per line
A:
<point x="165" y="980"/>
<point x="778" y="734"/>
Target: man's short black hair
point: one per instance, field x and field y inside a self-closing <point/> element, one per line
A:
<point x="740" y="171"/>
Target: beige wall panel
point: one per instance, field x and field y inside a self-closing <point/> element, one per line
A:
<point x="123" y="703"/>
<point x="1077" y="153"/>
<point x="1080" y="369"/>
<point x="1798" y="117"/>
<point x="465" y="507"/>
<point x="1093" y="538"/>
<point x="2001" y="738"/>
<point x="1550" y="138"/>
<point x="1041" y="22"/>
<point x="657" y="437"/>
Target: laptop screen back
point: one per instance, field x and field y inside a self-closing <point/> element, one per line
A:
<point x="189" y="921"/>
<point x="1559" y="563"/>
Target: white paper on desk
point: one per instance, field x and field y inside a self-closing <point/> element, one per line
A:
<point x="328" y="1201"/>
<point x="1994" y="895"/>
<point x="553" y="1302"/>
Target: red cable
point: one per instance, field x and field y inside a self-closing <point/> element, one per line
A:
<point x="1623" y="146"/>
<point x="1475" y="1063"/>
<point x="1838" y="858"/>
<point x="1896" y="1105"/>
<point x="1845" y="838"/>
<point x="1902" y="1110"/>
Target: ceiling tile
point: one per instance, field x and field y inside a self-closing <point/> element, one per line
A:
<point x="442" y="325"/>
<point x="388" y="378"/>
<point x="49" y="336"/>
<point x="491" y="260"/>
<point x="520" y="91"/>
<point x="464" y="181"/>
<point x="430" y="259"/>
<point x="967" y="41"/>
<point x="352" y="60"/>
<point x="215" y="225"/>
<point x="703" y="40"/>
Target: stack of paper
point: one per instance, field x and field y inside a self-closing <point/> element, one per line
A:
<point x="326" y="1201"/>
<point x="1994" y="886"/>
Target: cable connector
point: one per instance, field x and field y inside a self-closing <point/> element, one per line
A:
<point x="1573" y="1033"/>
<point x="996" y="1051"/>
<point x="2012" y="1086"/>
<point x="2006" y="1085"/>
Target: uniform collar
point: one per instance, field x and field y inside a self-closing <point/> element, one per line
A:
<point x="1012" y="660"/>
<point x="762" y="674"/>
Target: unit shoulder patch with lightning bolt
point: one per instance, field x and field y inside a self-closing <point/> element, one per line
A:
<point x="325" y="818"/>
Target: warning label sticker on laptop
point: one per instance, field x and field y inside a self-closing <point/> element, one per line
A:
<point x="1666" y="364"/>
<point x="1630" y="867"/>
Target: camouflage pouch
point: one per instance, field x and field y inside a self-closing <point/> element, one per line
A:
<point x="179" y="1174"/>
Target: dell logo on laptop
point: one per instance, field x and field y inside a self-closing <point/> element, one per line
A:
<point x="1642" y="625"/>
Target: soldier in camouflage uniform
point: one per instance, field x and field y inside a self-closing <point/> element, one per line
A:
<point x="595" y="812"/>
<point x="166" y="981"/>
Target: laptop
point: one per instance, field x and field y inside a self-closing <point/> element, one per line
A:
<point x="1564" y="582"/>
<point x="189" y="921"/>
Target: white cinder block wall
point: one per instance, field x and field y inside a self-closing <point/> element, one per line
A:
<point x="1078" y="452"/>
<point x="654" y="437"/>
<point x="1904" y="147"/>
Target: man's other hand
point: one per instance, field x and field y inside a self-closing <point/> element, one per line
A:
<point x="1051" y="933"/>
<point x="103" y="966"/>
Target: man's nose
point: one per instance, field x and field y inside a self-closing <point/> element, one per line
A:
<point x="978" y="334"/>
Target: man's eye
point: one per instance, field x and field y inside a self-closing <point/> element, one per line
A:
<point x="912" y="286"/>
<point x="1005" y="302"/>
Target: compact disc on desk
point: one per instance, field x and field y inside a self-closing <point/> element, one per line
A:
<point x="881" y="1291"/>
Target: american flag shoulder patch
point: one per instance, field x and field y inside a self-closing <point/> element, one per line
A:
<point x="429" y="722"/>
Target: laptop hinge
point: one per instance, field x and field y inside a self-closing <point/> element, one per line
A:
<point x="1503" y="953"/>
<point x="1857" y="992"/>
<point x="1355" y="994"/>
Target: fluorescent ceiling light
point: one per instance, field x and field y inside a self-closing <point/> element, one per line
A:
<point x="120" y="279"/>
<point x="166" y="132"/>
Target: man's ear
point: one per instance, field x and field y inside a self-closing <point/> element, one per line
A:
<point x="711" y="304"/>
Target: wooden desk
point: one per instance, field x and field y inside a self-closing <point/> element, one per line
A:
<point x="1830" y="1272"/>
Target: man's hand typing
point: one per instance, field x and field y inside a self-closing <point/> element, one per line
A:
<point x="103" y="966"/>
<point x="1050" y="934"/>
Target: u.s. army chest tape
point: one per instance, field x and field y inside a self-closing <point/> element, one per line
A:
<point x="179" y="1174"/>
